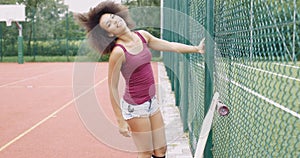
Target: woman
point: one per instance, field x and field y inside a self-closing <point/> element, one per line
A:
<point x="109" y="30"/>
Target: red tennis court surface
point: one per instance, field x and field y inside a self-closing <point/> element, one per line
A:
<point x="38" y="116"/>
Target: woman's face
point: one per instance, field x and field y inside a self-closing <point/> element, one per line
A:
<point x="113" y="24"/>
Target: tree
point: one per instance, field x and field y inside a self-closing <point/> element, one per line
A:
<point x="43" y="19"/>
<point x="31" y="8"/>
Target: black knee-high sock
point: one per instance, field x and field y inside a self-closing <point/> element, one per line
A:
<point x="158" y="157"/>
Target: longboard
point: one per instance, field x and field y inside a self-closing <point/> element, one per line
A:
<point x="207" y="122"/>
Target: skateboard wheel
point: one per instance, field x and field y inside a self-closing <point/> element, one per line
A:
<point x="223" y="110"/>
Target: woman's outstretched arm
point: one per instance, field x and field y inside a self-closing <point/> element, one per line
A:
<point x="163" y="45"/>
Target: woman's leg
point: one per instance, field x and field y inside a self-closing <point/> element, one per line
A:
<point x="158" y="135"/>
<point x="142" y="136"/>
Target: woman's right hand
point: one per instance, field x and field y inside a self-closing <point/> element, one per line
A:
<point x="124" y="128"/>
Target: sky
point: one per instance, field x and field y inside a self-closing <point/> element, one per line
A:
<point x="83" y="5"/>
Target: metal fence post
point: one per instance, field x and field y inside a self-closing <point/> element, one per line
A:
<point x="1" y="54"/>
<point x="20" y="44"/>
<point x="67" y="35"/>
<point x="185" y="86"/>
<point x="209" y="68"/>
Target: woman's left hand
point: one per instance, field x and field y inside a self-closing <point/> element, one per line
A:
<point x="201" y="46"/>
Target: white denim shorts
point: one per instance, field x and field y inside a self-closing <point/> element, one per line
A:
<point x="146" y="109"/>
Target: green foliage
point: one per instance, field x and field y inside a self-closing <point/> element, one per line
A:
<point x="50" y="30"/>
<point x="8" y="1"/>
<point x="146" y="14"/>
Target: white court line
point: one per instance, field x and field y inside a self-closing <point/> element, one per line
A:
<point x="263" y="98"/>
<point x="295" y="67"/>
<point x="48" y="117"/>
<point x="26" y="79"/>
<point x="272" y="73"/>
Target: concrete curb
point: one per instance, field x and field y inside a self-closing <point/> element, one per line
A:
<point x="178" y="144"/>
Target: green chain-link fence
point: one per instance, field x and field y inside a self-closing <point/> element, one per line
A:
<point x="256" y="70"/>
<point x="36" y="46"/>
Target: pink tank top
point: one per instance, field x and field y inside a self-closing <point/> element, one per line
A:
<point x="138" y="75"/>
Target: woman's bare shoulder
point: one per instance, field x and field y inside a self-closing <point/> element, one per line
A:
<point x="116" y="54"/>
<point x="145" y="34"/>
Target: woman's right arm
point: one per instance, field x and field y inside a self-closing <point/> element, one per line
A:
<point x="115" y="62"/>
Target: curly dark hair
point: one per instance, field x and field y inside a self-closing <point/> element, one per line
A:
<point x="98" y="37"/>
